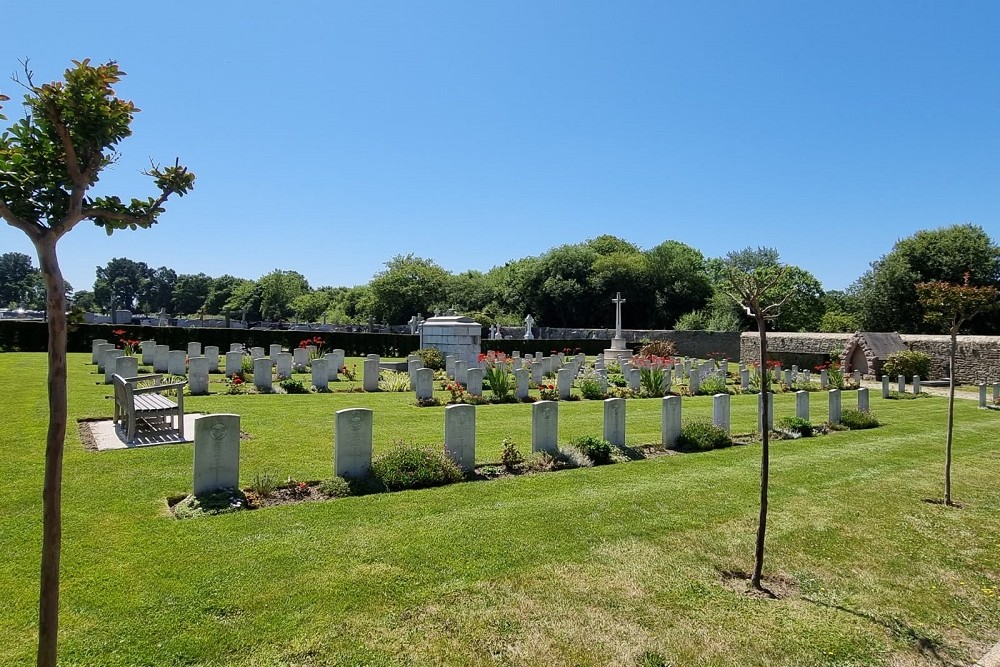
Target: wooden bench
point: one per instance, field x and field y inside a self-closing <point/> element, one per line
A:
<point x="137" y="402"/>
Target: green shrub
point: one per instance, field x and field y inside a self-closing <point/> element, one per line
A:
<point x="246" y="365"/>
<point x="796" y="425"/>
<point x="292" y="386"/>
<point x="334" y="488"/>
<point x="855" y="419"/>
<point x="222" y="501"/>
<point x="591" y="387"/>
<point x="393" y="381"/>
<point x="431" y="358"/>
<point x="569" y="456"/>
<point x="511" y="456"/>
<point x="907" y="363"/>
<point x="597" y="450"/>
<point x="659" y="348"/>
<point x="713" y="383"/>
<point x="701" y="436"/>
<point x="410" y="467"/>
<point x="696" y="320"/>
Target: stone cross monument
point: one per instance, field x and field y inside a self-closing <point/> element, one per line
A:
<point x="618" y="350"/>
<point x="529" y="322"/>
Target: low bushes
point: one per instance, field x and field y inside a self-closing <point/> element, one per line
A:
<point x="907" y="363"/>
<point x="702" y="436"/>
<point x="855" y="419"/>
<point x="796" y="426"/>
<point x="410" y="467"/>
<point x="596" y="449"/>
<point x="432" y="358"/>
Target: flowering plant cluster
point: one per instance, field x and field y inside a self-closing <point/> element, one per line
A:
<point x="548" y="391"/>
<point x="834" y="373"/>
<point x="320" y="344"/>
<point x="497" y="372"/>
<point x="235" y="384"/>
<point x="349" y="373"/>
<point x="129" y="345"/>
<point x="457" y="391"/>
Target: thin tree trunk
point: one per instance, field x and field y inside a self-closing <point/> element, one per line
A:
<point x="951" y="418"/>
<point x="758" y="560"/>
<point x="48" y="602"/>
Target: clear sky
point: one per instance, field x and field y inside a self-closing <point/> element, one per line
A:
<point x="329" y="136"/>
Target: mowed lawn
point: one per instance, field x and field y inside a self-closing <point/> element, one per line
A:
<point x="585" y="567"/>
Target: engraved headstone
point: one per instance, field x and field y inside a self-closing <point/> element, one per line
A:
<point x="916" y="384"/>
<point x="109" y="363"/>
<point x="147" y="347"/>
<point x="212" y="354"/>
<point x="982" y="394"/>
<point x="537" y="376"/>
<point x="694" y="381"/>
<point x="283" y="365"/>
<point x="744" y="379"/>
<point x="544" y="426"/>
<point x="194" y="349"/>
<point x="369" y="380"/>
<point x="198" y="375"/>
<point x="670" y="426"/>
<point x="236" y="347"/>
<point x="449" y="366"/>
<point x="835" y="406"/>
<point x="564" y="382"/>
<point x="424" y="384"/>
<point x="412" y="366"/>
<point x="161" y="358"/>
<point x="336" y="359"/>
<point x="320" y="374"/>
<point x="614" y="421"/>
<point x="234" y="363"/>
<point x="216" y="453"/>
<point x="634" y="378"/>
<point x="461" y="372"/>
<point x="127" y="366"/>
<point x="885" y="386"/>
<point x="352" y="442"/>
<point x="102" y="350"/>
<point x="802" y="405"/>
<point x="521" y="378"/>
<point x="95" y="346"/>
<point x="474" y="381"/>
<point x="901" y="382"/>
<point x="720" y="411"/>
<point x="863" y="404"/>
<point x="177" y="362"/>
<point x="300" y="359"/>
<point x="824" y="379"/>
<point x="262" y="374"/>
<point x="460" y="434"/>
<point x="257" y="352"/>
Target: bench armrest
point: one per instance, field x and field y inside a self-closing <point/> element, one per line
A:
<point x="159" y="387"/>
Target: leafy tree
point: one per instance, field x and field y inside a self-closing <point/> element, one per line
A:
<point x="84" y="300"/>
<point x="311" y="306"/>
<point x="628" y="272"/>
<point x="408" y="285"/>
<point x="838" y="321"/>
<point x="888" y="292"/>
<point x="245" y="301"/>
<point x="19" y="279"/>
<point x="349" y="305"/>
<point x="758" y="287"/>
<point x="158" y="290"/>
<point x="120" y="282"/>
<point x="49" y="161"/>
<point x="221" y="292"/>
<point x="681" y="281"/>
<point x="949" y="306"/>
<point x="606" y="244"/>
<point x="277" y="291"/>
<point x="558" y="291"/>
<point x="470" y="291"/>
<point x="190" y="292"/>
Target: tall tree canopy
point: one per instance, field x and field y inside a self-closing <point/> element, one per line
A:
<point x="20" y="282"/>
<point x="887" y="293"/>
<point x="408" y="285"/>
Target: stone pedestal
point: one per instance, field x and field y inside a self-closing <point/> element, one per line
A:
<point x="617" y="352"/>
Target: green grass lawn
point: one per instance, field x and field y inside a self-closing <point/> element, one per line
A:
<point x="585" y="567"/>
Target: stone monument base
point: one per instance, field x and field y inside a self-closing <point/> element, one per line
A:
<point x="615" y="353"/>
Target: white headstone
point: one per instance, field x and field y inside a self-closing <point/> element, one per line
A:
<point x="916" y="384"/>
<point x="194" y="350"/>
<point x="412" y="366"/>
<point x="234" y="363"/>
<point x="670" y="427"/>
<point x="177" y="362"/>
<point x="744" y="379"/>
<point x="127" y="367"/>
<point x="634" y="378"/>
<point x="474" y="381"/>
<point x="216" y="453"/>
<point x="614" y="421"/>
<point x="901" y="381"/>
<point x="273" y="350"/>
<point x="544" y="426"/>
<point x="236" y="347"/>
<point x="461" y="372"/>
<point x="460" y="434"/>
<point x="835" y="406"/>
<point x="982" y="394"/>
<point x="352" y="442"/>
<point x="788" y="377"/>
<point x="564" y="382"/>
<point x="262" y="374"/>
<point x="147" y="347"/>
<point x="95" y="346"/>
<point x="720" y="411"/>
<point x="212" y="354"/>
<point x="336" y="359"/>
<point x="521" y="378"/>
<point x="198" y="375"/>
<point x="449" y="366"/>
<point x="824" y="379"/>
<point x="694" y="381"/>
<point x="283" y="365"/>
<point x="996" y="391"/>
<point x="257" y="352"/>
<point x="300" y="359"/>
<point x="320" y="374"/>
<point x="109" y="363"/>
<point x="370" y="375"/>
<point x="424" y="384"/>
<point x="802" y="405"/>
<point x="856" y="377"/>
<point x="885" y="386"/>
<point x="102" y="350"/>
<point x="537" y="374"/>
<point x="863" y="400"/>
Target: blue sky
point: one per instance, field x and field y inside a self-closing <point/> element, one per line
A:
<point x="329" y="136"/>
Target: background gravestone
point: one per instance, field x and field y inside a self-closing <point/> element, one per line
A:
<point x="216" y="453"/>
<point x="127" y="367"/>
<point x="352" y="442"/>
<point x="194" y="350"/>
<point x="110" y="357"/>
<point x="320" y="374"/>
<point x="198" y="375"/>
<point x="802" y="405"/>
<point x="234" y="363"/>
<point x="670" y="428"/>
<point x="262" y="374"/>
<point x="370" y="374"/>
<point x="424" y="384"/>
<point x="835" y="406"/>
<point x="177" y="362"/>
<point x="614" y="421"/>
<point x="460" y="435"/>
<point x="212" y="354"/>
<point x="95" y="346"/>
<point x="720" y="411"/>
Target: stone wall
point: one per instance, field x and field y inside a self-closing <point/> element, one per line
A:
<point x="978" y="357"/>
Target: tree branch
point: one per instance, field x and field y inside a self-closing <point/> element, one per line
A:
<point x="32" y="229"/>
<point x="128" y="218"/>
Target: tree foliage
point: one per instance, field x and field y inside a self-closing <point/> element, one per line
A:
<point x="21" y="284"/>
<point x="49" y="162"/>
<point x="408" y="285"/>
<point x="888" y="293"/>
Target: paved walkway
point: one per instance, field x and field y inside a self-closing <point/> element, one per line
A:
<point x="933" y="391"/>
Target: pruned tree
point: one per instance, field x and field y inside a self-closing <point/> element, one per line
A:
<point x="757" y="288"/>
<point x="49" y="161"/>
<point x="949" y="306"/>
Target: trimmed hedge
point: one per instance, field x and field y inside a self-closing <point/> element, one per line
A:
<point x="24" y="336"/>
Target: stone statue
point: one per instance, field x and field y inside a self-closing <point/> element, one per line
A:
<point x="529" y="322"/>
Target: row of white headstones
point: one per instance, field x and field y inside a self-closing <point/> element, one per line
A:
<point x="216" y="439"/>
